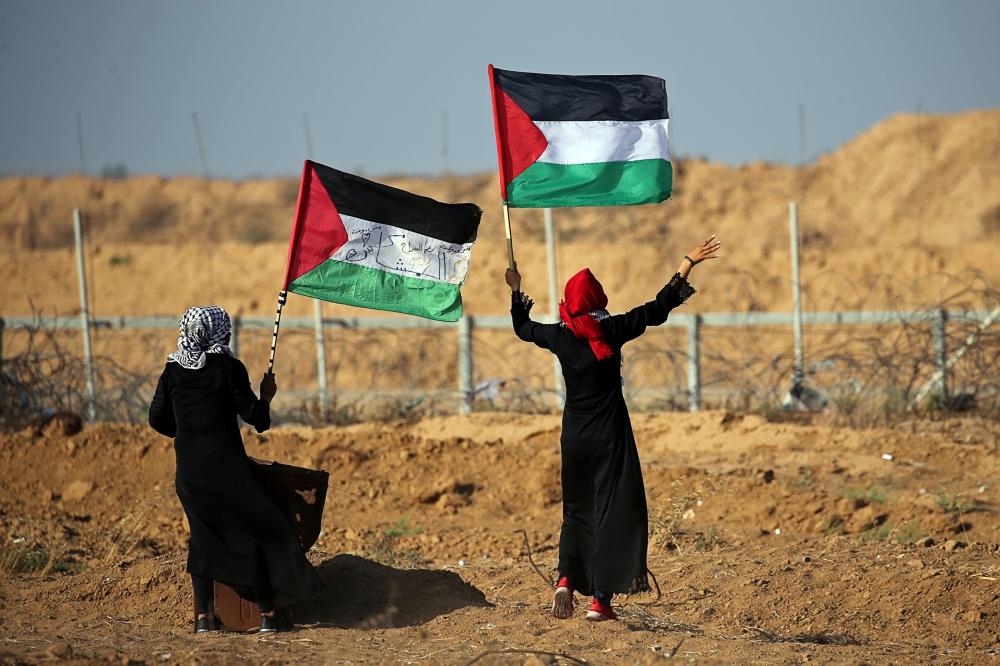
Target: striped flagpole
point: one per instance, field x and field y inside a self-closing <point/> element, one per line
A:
<point x="282" y="299"/>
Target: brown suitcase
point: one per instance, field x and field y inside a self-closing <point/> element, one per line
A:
<point x="302" y="492"/>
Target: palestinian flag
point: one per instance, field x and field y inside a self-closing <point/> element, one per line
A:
<point x="361" y="243"/>
<point x="580" y="140"/>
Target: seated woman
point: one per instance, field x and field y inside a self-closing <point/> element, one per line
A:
<point x="240" y="536"/>
<point x="602" y="547"/>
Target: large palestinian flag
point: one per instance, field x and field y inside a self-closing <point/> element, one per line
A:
<point x="373" y="246"/>
<point x="581" y="140"/>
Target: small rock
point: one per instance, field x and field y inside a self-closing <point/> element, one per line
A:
<point x="953" y="544"/>
<point x="887" y="456"/>
<point x="973" y="616"/>
<point x="656" y="648"/>
<point x="77" y="490"/>
<point x="60" y="651"/>
<point x="708" y="612"/>
<point x="925" y="542"/>
<point x="915" y="564"/>
<point x="807" y="559"/>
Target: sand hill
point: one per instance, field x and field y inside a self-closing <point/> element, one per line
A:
<point x="913" y="197"/>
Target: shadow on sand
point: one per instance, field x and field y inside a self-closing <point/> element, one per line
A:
<point x="362" y="594"/>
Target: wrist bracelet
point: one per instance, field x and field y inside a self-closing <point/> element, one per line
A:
<point x="691" y="260"/>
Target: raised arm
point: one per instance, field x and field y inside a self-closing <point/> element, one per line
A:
<point x="161" y="410"/>
<point x="256" y="412"/>
<point x="543" y="335"/>
<point x="624" y="327"/>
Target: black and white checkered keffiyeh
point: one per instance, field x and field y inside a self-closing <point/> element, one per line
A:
<point x="203" y="331"/>
<point x="599" y="315"/>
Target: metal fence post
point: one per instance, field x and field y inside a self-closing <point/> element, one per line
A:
<point x="940" y="351"/>
<point x="324" y="396"/>
<point x="234" y="340"/>
<point x="88" y="366"/>
<point x="465" y="363"/>
<point x="693" y="365"/>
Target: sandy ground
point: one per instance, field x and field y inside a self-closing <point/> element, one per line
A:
<point x="771" y="542"/>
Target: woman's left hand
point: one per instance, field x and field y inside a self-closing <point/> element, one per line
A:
<point x="706" y="250"/>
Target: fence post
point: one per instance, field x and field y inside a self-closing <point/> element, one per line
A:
<point x="234" y="340"/>
<point x="465" y="363"/>
<point x="88" y="366"/>
<point x="693" y="366"/>
<point x="940" y="351"/>
<point x="550" y="246"/>
<point x="324" y="396"/>
<point x="793" y="218"/>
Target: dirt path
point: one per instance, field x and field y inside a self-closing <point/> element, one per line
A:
<point x="771" y="542"/>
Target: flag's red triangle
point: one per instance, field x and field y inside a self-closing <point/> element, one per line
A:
<point x="519" y="140"/>
<point x="317" y="231"/>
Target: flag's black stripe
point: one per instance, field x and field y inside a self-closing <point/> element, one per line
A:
<point x="597" y="97"/>
<point x="358" y="197"/>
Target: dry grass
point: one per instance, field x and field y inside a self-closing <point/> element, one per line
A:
<point x="126" y="535"/>
<point x="672" y="508"/>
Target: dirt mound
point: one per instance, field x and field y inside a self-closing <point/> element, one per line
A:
<point x="912" y="197"/>
<point x="770" y="541"/>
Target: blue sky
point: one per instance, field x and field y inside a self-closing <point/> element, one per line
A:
<point x="374" y="77"/>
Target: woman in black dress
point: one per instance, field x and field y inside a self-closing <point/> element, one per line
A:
<point x="602" y="546"/>
<point x="239" y="534"/>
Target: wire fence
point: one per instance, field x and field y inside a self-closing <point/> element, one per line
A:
<point x="869" y="364"/>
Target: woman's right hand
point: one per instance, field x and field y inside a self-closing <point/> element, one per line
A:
<point x="268" y="387"/>
<point x="513" y="278"/>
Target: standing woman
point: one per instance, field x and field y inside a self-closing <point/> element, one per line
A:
<point x="602" y="546"/>
<point x="239" y="534"/>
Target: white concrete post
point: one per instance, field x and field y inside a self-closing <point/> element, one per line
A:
<point x="88" y="366"/>
<point x="550" y="244"/>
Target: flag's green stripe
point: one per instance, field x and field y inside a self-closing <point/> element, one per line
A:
<point x="544" y="185"/>
<point x="351" y="284"/>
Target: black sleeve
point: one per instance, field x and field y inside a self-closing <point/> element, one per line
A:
<point x="543" y="335"/>
<point x="619" y="329"/>
<point x="251" y="409"/>
<point x="161" y="410"/>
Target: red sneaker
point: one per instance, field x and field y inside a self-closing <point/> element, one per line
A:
<point x="600" y="613"/>
<point x="562" y="605"/>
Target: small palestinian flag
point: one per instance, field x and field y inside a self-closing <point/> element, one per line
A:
<point x="580" y="140"/>
<point x="360" y="243"/>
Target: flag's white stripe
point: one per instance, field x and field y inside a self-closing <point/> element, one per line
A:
<point x="403" y="252"/>
<point x="593" y="141"/>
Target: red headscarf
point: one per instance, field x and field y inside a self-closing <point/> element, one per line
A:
<point x="585" y="294"/>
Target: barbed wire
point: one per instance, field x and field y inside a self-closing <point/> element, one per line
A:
<point x="867" y="371"/>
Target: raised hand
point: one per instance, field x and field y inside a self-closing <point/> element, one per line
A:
<point x="706" y="250"/>
<point x="513" y="278"/>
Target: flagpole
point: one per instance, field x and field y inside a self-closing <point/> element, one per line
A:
<point x="282" y="299"/>
<point x="510" y="241"/>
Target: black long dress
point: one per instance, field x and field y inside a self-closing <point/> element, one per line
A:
<point x="605" y="531"/>
<point x="239" y="534"/>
